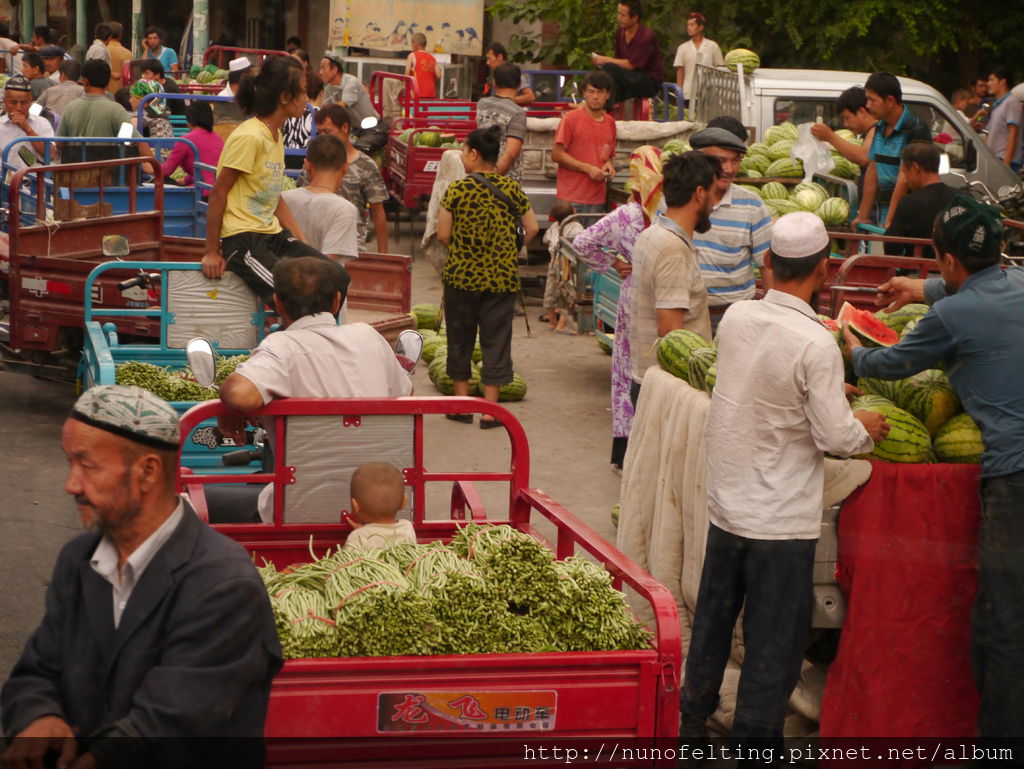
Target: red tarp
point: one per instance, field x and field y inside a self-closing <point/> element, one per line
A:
<point x="908" y="567"/>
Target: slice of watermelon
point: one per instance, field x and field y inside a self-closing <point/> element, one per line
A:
<point x="865" y="325"/>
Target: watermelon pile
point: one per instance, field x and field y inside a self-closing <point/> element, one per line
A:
<point x="926" y="417"/>
<point x="690" y="357"/>
<point x="427" y="316"/>
<point x="435" y="353"/>
<point x="674" y="147"/>
<point x="431" y="137"/>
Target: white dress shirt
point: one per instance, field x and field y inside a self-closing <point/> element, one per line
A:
<point x="105" y="559"/>
<point x="9" y="132"/>
<point x="778" y="404"/>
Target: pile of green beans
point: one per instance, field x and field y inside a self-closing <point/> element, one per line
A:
<point x="162" y="381"/>
<point x="226" y="367"/>
<point x="492" y="590"/>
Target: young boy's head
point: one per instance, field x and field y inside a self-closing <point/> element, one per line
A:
<point x="560" y="209"/>
<point x="326" y="154"/>
<point x="378" y="493"/>
<point x="419" y="41"/>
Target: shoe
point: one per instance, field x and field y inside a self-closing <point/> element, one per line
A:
<point x="543" y="318"/>
<point x="693" y="730"/>
<point x="466" y="419"/>
<point x="487" y="424"/>
<point x="617" y="469"/>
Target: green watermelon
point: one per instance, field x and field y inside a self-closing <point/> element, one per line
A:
<point x="846" y="133"/>
<point x="774" y="191"/>
<point x="753" y="173"/>
<point x="872" y="332"/>
<point x="700" y="361"/>
<point x="887" y="388"/>
<point x="845" y="169"/>
<point x="757" y="148"/>
<point x="710" y="378"/>
<point x="604" y="345"/>
<point x="911" y="325"/>
<point x="756" y="162"/>
<point x="808" y="199"/>
<point x="428" y="139"/>
<point x="616" y="510"/>
<point x="780" y="132"/>
<point x="675" y="349"/>
<point x="959" y="440"/>
<point x="898" y="319"/>
<point x="810" y="186"/>
<point x="432" y="345"/>
<point x="426" y="315"/>
<point x="514" y="390"/>
<point x="835" y="212"/>
<point x="443" y="382"/>
<point x="782" y="207"/>
<point x="674" y="147"/>
<point x="405" y="135"/>
<point x="866" y="401"/>
<point x="929" y="396"/>
<point x="908" y="441"/>
<point x="780" y="149"/>
<point x="785" y="168"/>
<point x="744" y="56"/>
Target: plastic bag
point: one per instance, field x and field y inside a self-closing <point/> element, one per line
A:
<point x="814" y="154"/>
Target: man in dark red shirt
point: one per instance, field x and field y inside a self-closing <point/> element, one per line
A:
<point x="636" y="70"/>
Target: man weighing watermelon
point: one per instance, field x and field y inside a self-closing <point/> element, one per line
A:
<point x="975" y="328"/>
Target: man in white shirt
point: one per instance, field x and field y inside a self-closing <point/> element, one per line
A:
<point x="668" y="290"/>
<point x="98" y="49"/>
<point x="237" y="69"/>
<point x="313" y="357"/>
<point x="17" y="122"/>
<point x="697" y="50"/>
<point x="778" y="405"/>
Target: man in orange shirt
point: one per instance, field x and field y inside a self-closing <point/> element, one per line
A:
<point x="423" y="67"/>
<point x="585" y="146"/>
<point x="118" y="56"/>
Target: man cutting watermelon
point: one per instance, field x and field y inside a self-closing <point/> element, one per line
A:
<point x="975" y="328"/>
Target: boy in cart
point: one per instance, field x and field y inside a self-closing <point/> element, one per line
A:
<point x="378" y="494"/>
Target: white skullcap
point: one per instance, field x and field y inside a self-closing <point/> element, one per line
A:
<point x="797" y="235"/>
<point x="237" y="65"/>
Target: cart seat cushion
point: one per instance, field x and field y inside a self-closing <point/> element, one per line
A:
<point x="223" y="311"/>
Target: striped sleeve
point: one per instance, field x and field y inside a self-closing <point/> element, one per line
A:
<point x="761" y="235"/>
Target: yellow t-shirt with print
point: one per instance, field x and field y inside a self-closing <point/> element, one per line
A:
<point x="251" y="203"/>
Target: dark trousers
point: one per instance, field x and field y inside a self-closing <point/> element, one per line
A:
<point x="628" y="84"/>
<point x="490" y="313"/>
<point x="774" y="576"/>
<point x="252" y="256"/>
<point x="997" y="620"/>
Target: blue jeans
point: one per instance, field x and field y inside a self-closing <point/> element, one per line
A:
<point x="775" y="579"/>
<point x="997" y="618"/>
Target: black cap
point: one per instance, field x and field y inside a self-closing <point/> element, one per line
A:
<point x="717" y="137"/>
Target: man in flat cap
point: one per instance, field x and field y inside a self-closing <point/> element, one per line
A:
<point x="155" y="625"/>
<point x="975" y="327"/>
<point x="17" y="121"/>
<point x="741" y="227"/>
<point x="346" y="90"/>
<point x="778" y="404"/>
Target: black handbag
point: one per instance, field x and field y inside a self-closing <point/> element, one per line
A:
<point x="505" y="201"/>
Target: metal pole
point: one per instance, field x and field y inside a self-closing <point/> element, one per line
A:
<point x="81" y="33"/>
<point x="138" y="27"/>
<point x="28" y="18"/>
<point x="200" y="30"/>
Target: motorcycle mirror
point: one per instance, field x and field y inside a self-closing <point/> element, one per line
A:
<point x="944" y="163"/>
<point x="410" y="347"/>
<point x="201" y="360"/>
<point x="115" y="246"/>
<point x="368" y="122"/>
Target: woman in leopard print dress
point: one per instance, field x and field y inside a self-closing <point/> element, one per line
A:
<point x="478" y="223"/>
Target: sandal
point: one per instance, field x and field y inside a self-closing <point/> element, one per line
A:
<point x="466" y="419"/>
<point x="487" y="424"/>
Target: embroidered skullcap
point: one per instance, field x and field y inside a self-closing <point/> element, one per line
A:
<point x="972" y="227"/>
<point x="18" y="83"/>
<point x="240" y="63"/>
<point x="797" y="235"/>
<point x="131" y="413"/>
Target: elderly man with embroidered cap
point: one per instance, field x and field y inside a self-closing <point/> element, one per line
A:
<point x="741" y="227"/>
<point x="17" y="121"/>
<point x="155" y="625"/>
<point x="778" y="406"/>
<point x="976" y="329"/>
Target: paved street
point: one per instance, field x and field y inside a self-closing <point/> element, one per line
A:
<point x="565" y="414"/>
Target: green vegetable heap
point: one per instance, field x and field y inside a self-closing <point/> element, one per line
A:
<point x="174" y="385"/>
<point x="493" y="590"/>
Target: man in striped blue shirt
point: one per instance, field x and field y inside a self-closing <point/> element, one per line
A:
<point x="741" y="227"/>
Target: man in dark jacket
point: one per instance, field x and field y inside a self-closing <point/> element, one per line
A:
<point x="636" y="69"/>
<point x="929" y="195"/>
<point x="155" y="626"/>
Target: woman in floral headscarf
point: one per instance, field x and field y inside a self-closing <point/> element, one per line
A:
<point x="608" y="245"/>
<point x="155" y="113"/>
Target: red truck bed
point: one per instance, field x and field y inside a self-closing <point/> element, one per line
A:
<point x="359" y="709"/>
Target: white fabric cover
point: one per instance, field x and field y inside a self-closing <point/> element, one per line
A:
<point x="222" y="311"/>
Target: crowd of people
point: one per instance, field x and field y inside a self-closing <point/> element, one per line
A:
<point x="689" y="247"/>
